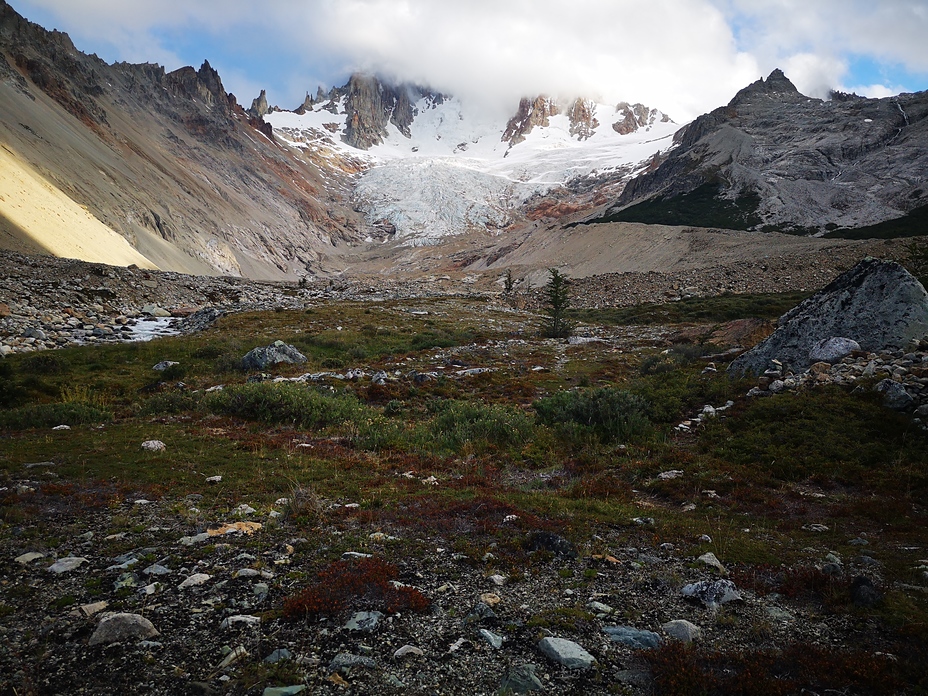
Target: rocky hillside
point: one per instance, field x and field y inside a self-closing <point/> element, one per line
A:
<point x="774" y="158"/>
<point x="170" y="161"/>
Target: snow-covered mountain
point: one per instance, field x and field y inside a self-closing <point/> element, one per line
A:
<point x="435" y="167"/>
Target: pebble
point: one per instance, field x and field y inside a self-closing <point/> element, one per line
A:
<point x="406" y="651"/>
<point x="364" y="621"/>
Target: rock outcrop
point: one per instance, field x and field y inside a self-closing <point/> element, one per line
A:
<point x="531" y="113"/>
<point x="773" y="158"/>
<point x="635" y="116"/>
<point x="877" y="303"/>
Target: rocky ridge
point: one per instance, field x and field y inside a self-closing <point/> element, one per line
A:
<point x="170" y="161"/>
<point x="774" y="158"/>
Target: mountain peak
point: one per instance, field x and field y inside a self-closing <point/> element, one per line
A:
<point x="777" y="86"/>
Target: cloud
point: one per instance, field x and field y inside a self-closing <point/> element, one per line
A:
<point x="817" y="43"/>
<point x="683" y="56"/>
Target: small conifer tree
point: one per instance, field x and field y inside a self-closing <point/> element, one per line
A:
<point x="557" y="301"/>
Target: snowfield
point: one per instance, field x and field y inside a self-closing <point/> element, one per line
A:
<point x="455" y="173"/>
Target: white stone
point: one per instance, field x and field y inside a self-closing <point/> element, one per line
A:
<point x="231" y="621"/>
<point x="682" y="630"/>
<point x="153" y="446"/>
<point x="64" y="565"/>
<point x="195" y="580"/>
<point x="29" y="557"/>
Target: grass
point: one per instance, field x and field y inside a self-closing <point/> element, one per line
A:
<point x="722" y="308"/>
<point x="576" y="448"/>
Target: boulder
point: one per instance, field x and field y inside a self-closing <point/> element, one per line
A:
<point x="566" y="652"/>
<point x="278" y="352"/>
<point x="877" y="303"/>
<point x="117" y="628"/>
<point x="831" y="350"/>
<point x="633" y="637"/>
<point x="895" y="395"/>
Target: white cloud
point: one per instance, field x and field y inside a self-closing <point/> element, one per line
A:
<point x="683" y="56"/>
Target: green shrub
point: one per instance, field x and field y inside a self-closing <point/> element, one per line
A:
<point x="461" y="422"/>
<point x="293" y="404"/>
<point x="50" y="415"/>
<point x="170" y="403"/>
<point x="608" y="414"/>
<point x="43" y="363"/>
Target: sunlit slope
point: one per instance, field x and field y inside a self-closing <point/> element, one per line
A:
<point x="37" y="216"/>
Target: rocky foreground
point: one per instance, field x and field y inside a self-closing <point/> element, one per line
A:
<point x="191" y="600"/>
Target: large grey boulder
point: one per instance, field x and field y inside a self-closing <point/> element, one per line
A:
<point x="278" y="352"/>
<point x="118" y="628"/>
<point x="877" y="303"/>
<point x="566" y="652"/>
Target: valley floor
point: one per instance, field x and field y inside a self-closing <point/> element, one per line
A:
<point x="516" y="488"/>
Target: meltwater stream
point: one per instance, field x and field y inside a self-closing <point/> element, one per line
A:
<point x="147" y="328"/>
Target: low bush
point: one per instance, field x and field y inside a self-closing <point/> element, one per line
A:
<point x="346" y="583"/>
<point x="607" y="414"/>
<point x="463" y="422"/>
<point x="50" y="415"/>
<point x="291" y="404"/>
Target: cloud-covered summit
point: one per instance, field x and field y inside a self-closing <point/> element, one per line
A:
<point x="683" y="56"/>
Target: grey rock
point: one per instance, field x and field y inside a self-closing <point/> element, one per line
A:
<point x="364" y="621"/>
<point x="895" y="395"/>
<point x="831" y="350"/>
<point x="156" y="569"/>
<point x="163" y="365"/>
<point x="491" y="638"/>
<point x="548" y="541"/>
<point x="278" y="655"/>
<point x="344" y="661"/>
<point x="712" y="561"/>
<point x="521" y="680"/>
<point x="117" y="628"/>
<point x="277" y="352"/>
<point x="632" y="637"/>
<point x="877" y="303"/>
<point x="481" y="613"/>
<point x="566" y="652"/>
<point x="682" y="630"/>
<point x="864" y="593"/>
<point x="712" y="593"/>
<point x="284" y="690"/>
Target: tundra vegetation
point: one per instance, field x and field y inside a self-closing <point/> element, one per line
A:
<point x="570" y="439"/>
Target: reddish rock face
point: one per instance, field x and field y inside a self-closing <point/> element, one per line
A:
<point x="531" y="113"/>
<point x="583" y="121"/>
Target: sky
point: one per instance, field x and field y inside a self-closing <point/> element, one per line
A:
<point x="685" y="57"/>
